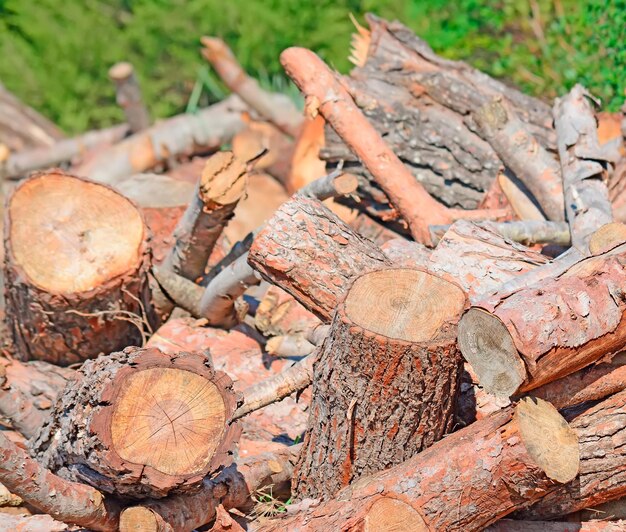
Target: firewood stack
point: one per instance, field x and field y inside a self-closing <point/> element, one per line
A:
<point x="423" y="280"/>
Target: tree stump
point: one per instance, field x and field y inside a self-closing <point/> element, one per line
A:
<point x="385" y="383"/>
<point x="76" y="270"/>
<point x="141" y="423"/>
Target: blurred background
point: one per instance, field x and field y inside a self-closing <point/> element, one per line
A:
<point x="55" y="55"/>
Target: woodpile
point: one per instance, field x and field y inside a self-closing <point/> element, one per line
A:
<point x="402" y="311"/>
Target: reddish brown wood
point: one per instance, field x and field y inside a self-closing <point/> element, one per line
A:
<point x="464" y="482"/>
<point x="540" y="333"/>
<point x="115" y="426"/>
<point x="508" y="525"/>
<point x="280" y="314"/>
<point x="60" y="307"/>
<point x="309" y="252"/>
<point x="386" y="379"/>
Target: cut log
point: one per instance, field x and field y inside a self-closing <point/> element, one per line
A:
<point x="141" y="423"/>
<point x="279" y="314"/>
<point x="584" y="169"/>
<point x="464" y="482"/>
<point x="423" y="104"/>
<point x="541" y="333"/>
<point x="232" y="488"/>
<point x="28" y="392"/>
<point x="601" y="432"/>
<point x="30" y="523"/>
<point x="278" y="109"/>
<point x="24" y="162"/>
<point x="222" y="184"/>
<point x="128" y="96"/>
<point x="76" y="268"/>
<point x="182" y="135"/>
<point x="385" y="383"/>
<point x="508" y="525"/>
<point x="531" y="163"/>
<point x="70" y="502"/>
<point x="309" y="252"/>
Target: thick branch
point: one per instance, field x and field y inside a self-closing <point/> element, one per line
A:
<point x="281" y="112"/>
<point x="66" y="501"/>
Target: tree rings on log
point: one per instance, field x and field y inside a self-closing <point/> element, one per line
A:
<point x="76" y="269"/>
<point x="142" y="423"/>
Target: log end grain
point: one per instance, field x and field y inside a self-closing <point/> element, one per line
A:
<point x="487" y="345"/>
<point x="607" y="237"/>
<point x="141" y="519"/>
<point x="548" y="438"/>
<point x="223" y="179"/>
<point x="393" y="515"/>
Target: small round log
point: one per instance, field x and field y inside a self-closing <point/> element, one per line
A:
<point x="141" y="423"/>
<point x="76" y="269"/>
<point x="385" y="383"/>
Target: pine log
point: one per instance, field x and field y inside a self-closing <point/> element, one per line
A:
<point x="128" y="96"/>
<point x="222" y="184"/>
<point x="232" y="488"/>
<point x="508" y="525"/>
<point x="141" y="423"/>
<point x="541" y="333"/>
<point x="30" y="523"/>
<point x="309" y="252"/>
<point x="23" y="162"/>
<point x="333" y="185"/>
<point x="584" y="169"/>
<point x="182" y="135"/>
<point x="70" y="502"/>
<point x="28" y="391"/>
<point x="601" y="434"/>
<point x="464" y="482"/>
<point x="423" y="105"/>
<point x="386" y="380"/>
<point x="531" y="163"/>
<point x="94" y="296"/>
<point x="408" y="196"/>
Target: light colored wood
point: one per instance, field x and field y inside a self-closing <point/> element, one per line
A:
<point x="557" y="454"/>
<point x="607" y="237"/>
<point x="169" y="419"/>
<point x="142" y="519"/>
<point x="487" y="345"/>
<point x="72" y="235"/>
<point x="404" y="304"/>
<point x="393" y="515"/>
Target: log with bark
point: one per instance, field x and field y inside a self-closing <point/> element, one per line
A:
<point x="521" y="340"/>
<point x="309" y="252"/>
<point x="76" y="270"/>
<point x="423" y="104"/>
<point x="141" y="423"/>
<point x="128" y="96"/>
<point x="385" y="382"/>
<point x="464" y="482"/>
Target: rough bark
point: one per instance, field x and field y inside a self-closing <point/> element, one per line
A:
<point x="407" y="195"/>
<point x="423" y="104"/>
<point x="23" y="162"/>
<point x="70" y="502"/>
<point x="583" y="167"/>
<point x="30" y="523"/>
<point x="277" y="109"/>
<point x="182" y="135"/>
<point x="28" y="392"/>
<point x="601" y="432"/>
<point x="309" y="252"/>
<point x="232" y="488"/>
<point x="543" y="332"/>
<point x="221" y="186"/>
<point x="531" y="163"/>
<point x="508" y="525"/>
<point x="128" y="96"/>
<point x="464" y="482"/>
<point x="141" y="423"/>
<point x="386" y="380"/>
<point x="94" y="297"/>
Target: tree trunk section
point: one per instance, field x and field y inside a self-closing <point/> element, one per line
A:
<point x="462" y="483"/>
<point x="309" y="252"/>
<point x="76" y="270"/>
<point x="386" y="380"/>
<point x="543" y="332"/>
<point x="141" y="423"/>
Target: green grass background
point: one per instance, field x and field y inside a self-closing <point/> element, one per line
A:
<point x="55" y="55"/>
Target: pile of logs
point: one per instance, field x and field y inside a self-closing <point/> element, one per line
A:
<point x="402" y="311"/>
